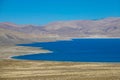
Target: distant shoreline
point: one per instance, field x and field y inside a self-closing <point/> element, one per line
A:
<point x="96" y="38"/>
<point x="72" y="38"/>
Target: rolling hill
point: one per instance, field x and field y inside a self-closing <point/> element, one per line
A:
<point x="13" y="33"/>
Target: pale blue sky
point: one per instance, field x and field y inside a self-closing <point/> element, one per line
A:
<point x="46" y="11"/>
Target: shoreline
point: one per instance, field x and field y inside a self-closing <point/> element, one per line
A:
<point x="45" y="51"/>
<point x="48" y="51"/>
<point x="7" y="52"/>
<point x="71" y="38"/>
<point x="10" y="57"/>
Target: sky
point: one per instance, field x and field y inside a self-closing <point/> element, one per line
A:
<point x="41" y="12"/>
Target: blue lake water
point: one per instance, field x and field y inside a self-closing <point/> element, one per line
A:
<point x="77" y="50"/>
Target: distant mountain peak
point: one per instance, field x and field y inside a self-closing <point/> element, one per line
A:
<point x="111" y="18"/>
<point x="9" y="24"/>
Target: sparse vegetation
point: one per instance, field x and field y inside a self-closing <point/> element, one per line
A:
<point x="43" y="70"/>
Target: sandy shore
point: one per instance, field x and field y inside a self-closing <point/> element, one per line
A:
<point x="6" y="52"/>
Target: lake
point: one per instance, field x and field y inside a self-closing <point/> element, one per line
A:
<point x="77" y="50"/>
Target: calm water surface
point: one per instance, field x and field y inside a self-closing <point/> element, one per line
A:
<point x="77" y="50"/>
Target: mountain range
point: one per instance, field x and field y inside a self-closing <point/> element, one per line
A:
<point x="107" y="28"/>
